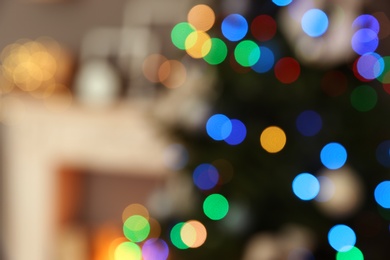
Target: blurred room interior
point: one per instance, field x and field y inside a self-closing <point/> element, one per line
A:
<point x="217" y="129"/>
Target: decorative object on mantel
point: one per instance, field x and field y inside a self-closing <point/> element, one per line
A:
<point x="97" y="83"/>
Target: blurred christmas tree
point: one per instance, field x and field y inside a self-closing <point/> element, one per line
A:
<point x="314" y="106"/>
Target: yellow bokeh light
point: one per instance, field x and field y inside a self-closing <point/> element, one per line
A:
<point x="128" y="250"/>
<point x="134" y="209"/>
<point x="273" y="139"/>
<point x="113" y="245"/>
<point x="193" y="234"/>
<point x="32" y="66"/>
<point x="198" y="44"/>
<point x="202" y="17"/>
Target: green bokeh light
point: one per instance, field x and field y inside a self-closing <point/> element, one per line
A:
<point x="217" y="53"/>
<point x="215" y="206"/>
<point x="247" y="53"/>
<point x="176" y="236"/>
<point x="179" y="34"/>
<point x="136" y="228"/>
<point x="385" y="76"/>
<point x="353" y="254"/>
<point x="128" y="250"/>
<point x="364" y="98"/>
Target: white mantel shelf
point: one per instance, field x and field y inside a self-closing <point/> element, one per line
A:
<point x="121" y="139"/>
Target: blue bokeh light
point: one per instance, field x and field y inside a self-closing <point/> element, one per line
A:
<point x="234" y="27"/>
<point x="315" y="22"/>
<point x="366" y="21"/>
<point x="218" y="127"/>
<point x="365" y="40"/>
<point x="155" y="249"/>
<point x="342" y="238"/>
<point x="309" y="123"/>
<point x="383" y="153"/>
<point x="306" y="186"/>
<point x="282" y="2"/>
<point x="266" y="61"/>
<point x="205" y="176"/>
<point x="370" y="65"/>
<point x="382" y="194"/>
<point x="333" y="156"/>
<point x="237" y="134"/>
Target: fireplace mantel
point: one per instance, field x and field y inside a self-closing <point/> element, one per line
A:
<point x="121" y="139"/>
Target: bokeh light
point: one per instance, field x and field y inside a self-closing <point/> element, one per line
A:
<point x="356" y="72"/>
<point x="327" y="189"/>
<point x="128" y="250"/>
<point x="175" y="236"/>
<point x="366" y="21"/>
<point x="263" y="27"/>
<point x="273" y="139"/>
<point x="315" y="22"/>
<point x="305" y="186"/>
<point x="370" y="65"/>
<point x="155" y="228"/>
<point x="341" y="192"/>
<point x="383" y="153"/>
<point x="238" y="133"/>
<point x="155" y="249"/>
<point x="334" y="83"/>
<point x="282" y="2"/>
<point x="247" y="53"/>
<point x="28" y="65"/>
<point x="198" y="44"/>
<point x="179" y="34"/>
<point x="298" y="7"/>
<point x="342" y="238"/>
<point x="151" y="66"/>
<point x="266" y="61"/>
<point x="333" y="156"/>
<point x="309" y="123"/>
<point x="113" y="246"/>
<point x="205" y="176"/>
<point x="287" y="70"/>
<point x="382" y="194"/>
<point x="218" y="127"/>
<point x="217" y="53"/>
<point x="33" y="66"/>
<point x="353" y="254"/>
<point x="193" y="233"/>
<point x="364" y="98"/>
<point x="364" y="40"/>
<point x="134" y="209"/>
<point x="215" y="206"/>
<point x="202" y="17"/>
<point x="385" y="76"/>
<point x="172" y="74"/>
<point x="234" y="27"/>
<point x="136" y="228"/>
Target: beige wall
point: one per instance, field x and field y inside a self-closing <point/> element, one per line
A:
<point x="67" y="21"/>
